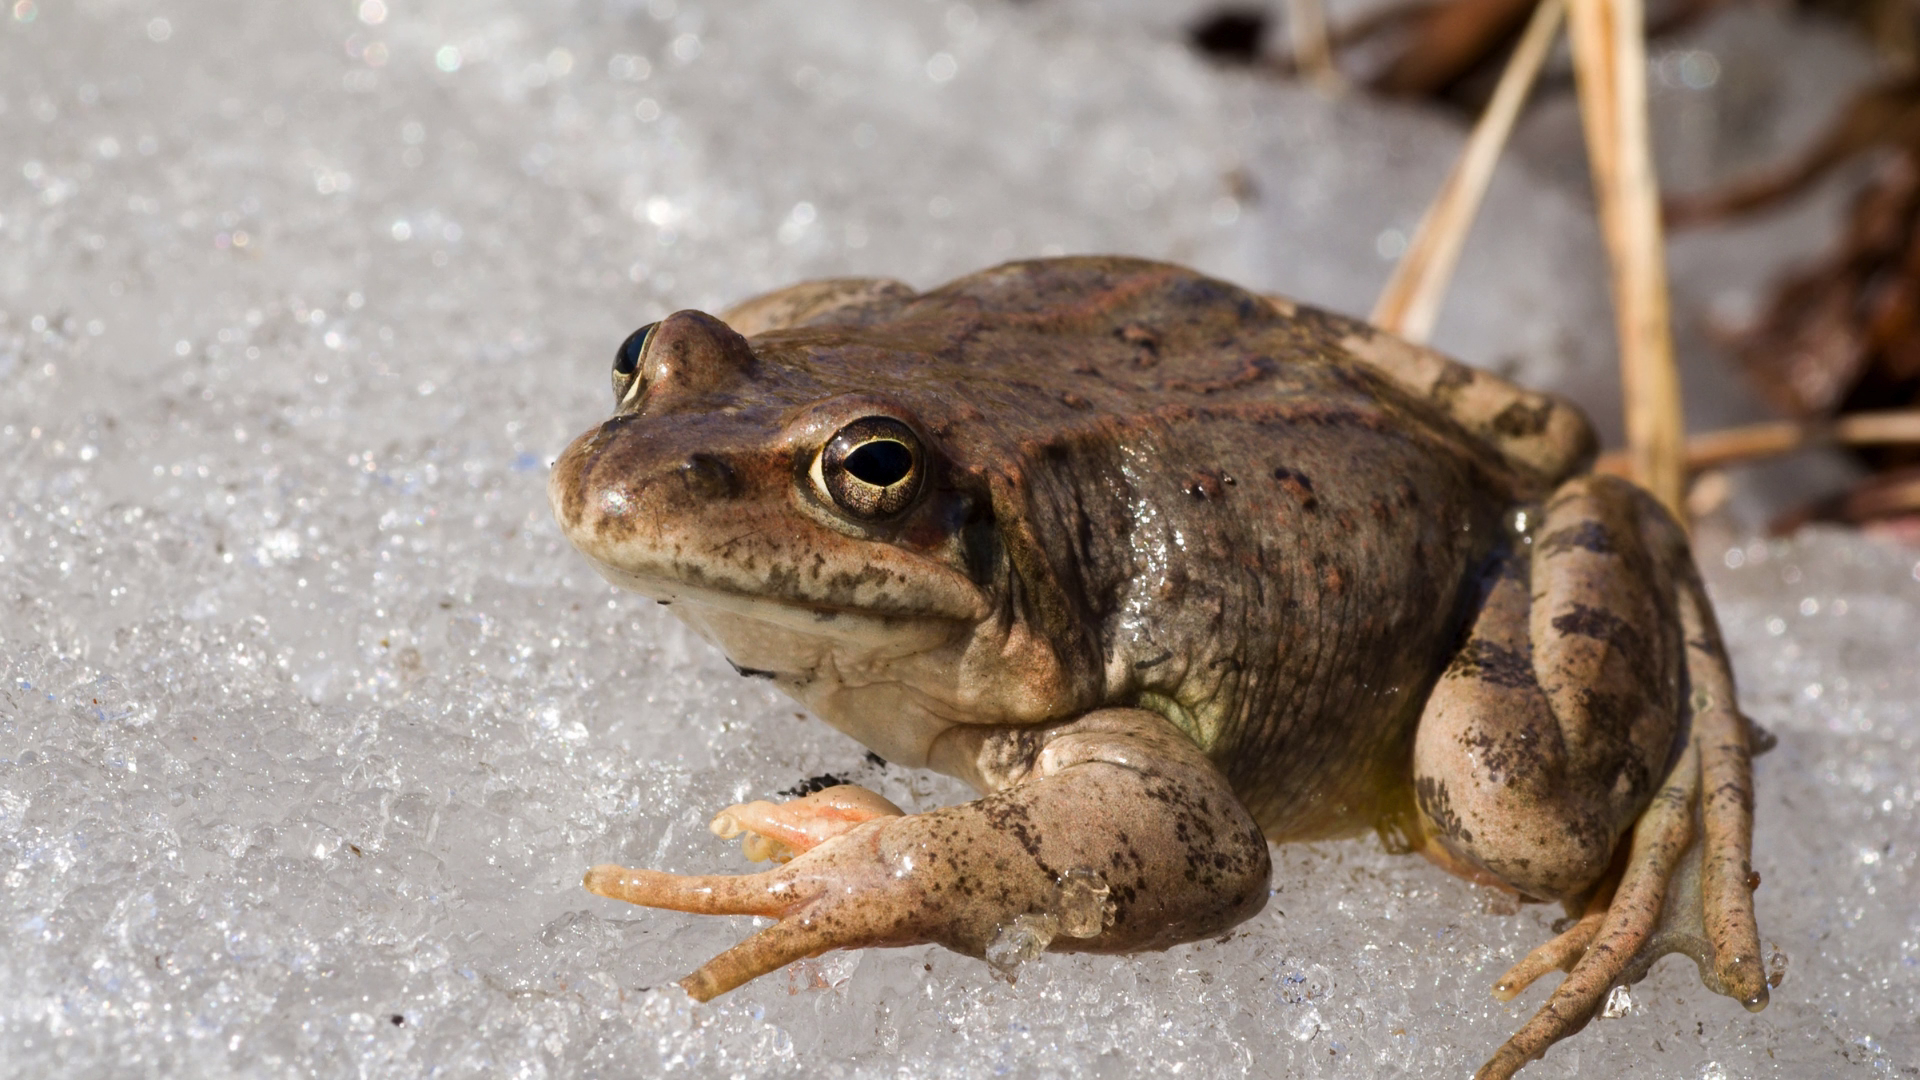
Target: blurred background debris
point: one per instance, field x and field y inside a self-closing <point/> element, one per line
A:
<point x="1831" y="335"/>
<point x="1840" y="335"/>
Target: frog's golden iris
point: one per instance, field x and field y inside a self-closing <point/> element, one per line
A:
<point x="871" y="468"/>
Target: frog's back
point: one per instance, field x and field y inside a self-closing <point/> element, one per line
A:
<point x="1102" y="336"/>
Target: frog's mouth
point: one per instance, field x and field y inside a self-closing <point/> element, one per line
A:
<point x="895" y="624"/>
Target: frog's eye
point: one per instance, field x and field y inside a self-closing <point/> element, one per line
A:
<point x="871" y="468"/>
<point x="626" y="362"/>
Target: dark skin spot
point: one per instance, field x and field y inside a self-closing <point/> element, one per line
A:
<point x="1600" y="625"/>
<point x="812" y="784"/>
<point x="1507" y="755"/>
<point x="1521" y="419"/>
<point x="1490" y="663"/>
<point x="1737" y="792"/>
<point x="1252" y="370"/>
<point x="1586" y="536"/>
<point x="1434" y="802"/>
<point x="1140" y="336"/>
<point x="1205" y="485"/>
<point x="1011" y="817"/>
<point x="1297" y="484"/>
<point x="1452" y="380"/>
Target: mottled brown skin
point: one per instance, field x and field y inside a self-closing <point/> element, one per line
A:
<point x="1173" y="566"/>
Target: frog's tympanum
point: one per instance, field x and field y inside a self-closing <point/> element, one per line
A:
<point x="1167" y="570"/>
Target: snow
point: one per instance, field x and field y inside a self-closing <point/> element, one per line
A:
<point x="310" y="721"/>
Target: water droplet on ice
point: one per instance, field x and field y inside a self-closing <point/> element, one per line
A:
<point x="1019" y="941"/>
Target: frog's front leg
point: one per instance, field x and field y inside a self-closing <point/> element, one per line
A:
<point x="1111" y="833"/>
<point x="1592" y="702"/>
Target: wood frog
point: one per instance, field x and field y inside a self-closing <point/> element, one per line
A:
<point x="1169" y="570"/>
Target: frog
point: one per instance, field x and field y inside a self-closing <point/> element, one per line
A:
<point x="1168" y="570"/>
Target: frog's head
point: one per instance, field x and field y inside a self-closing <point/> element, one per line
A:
<point x="797" y="508"/>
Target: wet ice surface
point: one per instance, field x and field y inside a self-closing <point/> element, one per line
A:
<point x="310" y="722"/>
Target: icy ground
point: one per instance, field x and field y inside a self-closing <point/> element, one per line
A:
<point x="309" y="722"/>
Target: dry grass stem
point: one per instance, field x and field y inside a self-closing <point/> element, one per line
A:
<point x="1610" y="68"/>
<point x="1312" y="44"/>
<point x="1757" y="441"/>
<point x="1410" y="303"/>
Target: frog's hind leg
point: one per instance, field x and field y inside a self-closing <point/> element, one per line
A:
<point x="1688" y="886"/>
<point x="1620" y="939"/>
<point x="1543" y="435"/>
<point x="1567" y="947"/>
<point x="1726" y="741"/>
<point x="1551" y="729"/>
<point x="1554" y="732"/>
<point x="1708" y="913"/>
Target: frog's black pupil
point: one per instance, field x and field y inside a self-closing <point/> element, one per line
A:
<point x="881" y="463"/>
<point x="627" y="360"/>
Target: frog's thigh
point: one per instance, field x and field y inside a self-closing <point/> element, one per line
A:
<point x="1556" y="722"/>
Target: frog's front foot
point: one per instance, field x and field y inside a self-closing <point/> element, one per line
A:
<point x="840" y="893"/>
<point x="1111" y="833"/>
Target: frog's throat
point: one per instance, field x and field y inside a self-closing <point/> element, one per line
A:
<point x="896" y="685"/>
<point x="894" y="682"/>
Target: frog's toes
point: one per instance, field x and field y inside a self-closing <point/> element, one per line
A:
<point x="779" y="831"/>
<point x="1708" y="913"/>
<point x="1566" y="948"/>
<point x="807" y="927"/>
<point x="701" y="894"/>
<point x="846" y="886"/>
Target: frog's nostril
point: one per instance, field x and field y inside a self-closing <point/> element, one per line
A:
<point x="709" y="477"/>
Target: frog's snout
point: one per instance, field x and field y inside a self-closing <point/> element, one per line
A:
<point x="609" y="482"/>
